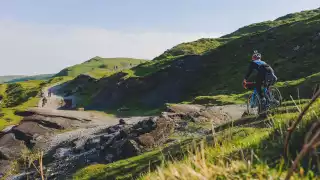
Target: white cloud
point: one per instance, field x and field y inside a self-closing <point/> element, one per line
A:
<point x="34" y="48"/>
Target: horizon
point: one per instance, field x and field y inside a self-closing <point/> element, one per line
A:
<point x="46" y="37"/>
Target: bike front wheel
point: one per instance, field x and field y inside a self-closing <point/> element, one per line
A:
<point x="275" y="97"/>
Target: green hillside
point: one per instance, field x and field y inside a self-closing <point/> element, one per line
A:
<point x="19" y="96"/>
<point x="16" y="97"/>
<point x="98" y="67"/>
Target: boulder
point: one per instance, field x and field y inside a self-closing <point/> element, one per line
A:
<point x="163" y="129"/>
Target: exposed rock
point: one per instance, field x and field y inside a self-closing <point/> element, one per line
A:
<point x="164" y="127"/>
<point x="62" y="153"/>
<point x="10" y="148"/>
<point x="121" y="121"/>
<point x="197" y="113"/>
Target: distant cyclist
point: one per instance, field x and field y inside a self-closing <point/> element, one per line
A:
<point x="265" y="75"/>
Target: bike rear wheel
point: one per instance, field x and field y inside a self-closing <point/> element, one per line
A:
<point x="254" y="105"/>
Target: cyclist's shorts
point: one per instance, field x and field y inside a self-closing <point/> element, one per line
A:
<point x="270" y="78"/>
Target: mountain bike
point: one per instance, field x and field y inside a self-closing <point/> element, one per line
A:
<point x="254" y="104"/>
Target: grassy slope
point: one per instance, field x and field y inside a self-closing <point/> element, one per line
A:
<point x="98" y="67"/>
<point x="20" y="96"/>
<point x="17" y="97"/>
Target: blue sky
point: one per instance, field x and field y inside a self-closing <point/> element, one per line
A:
<point x="46" y="36"/>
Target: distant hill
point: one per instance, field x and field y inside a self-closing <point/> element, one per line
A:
<point x="28" y="78"/>
<point x="9" y="78"/>
<point x="98" y="66"/>
<point x="21" y="78"/>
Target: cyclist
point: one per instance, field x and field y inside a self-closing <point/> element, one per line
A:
<point x="265" y="75"/>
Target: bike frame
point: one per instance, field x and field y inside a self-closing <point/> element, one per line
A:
<point x="265" y="90"/>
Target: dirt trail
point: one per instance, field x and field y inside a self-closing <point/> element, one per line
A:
<point x="55" y="103"/>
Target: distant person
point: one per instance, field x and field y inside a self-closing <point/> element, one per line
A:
<point x="44" y="101"/>
<point x="49" y="92"/>
<point x="265" y="75"/>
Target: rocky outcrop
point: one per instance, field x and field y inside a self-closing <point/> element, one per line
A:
<point x="67" y="152"/>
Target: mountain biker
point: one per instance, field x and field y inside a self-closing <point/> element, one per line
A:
<point x="265" y="75"/>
